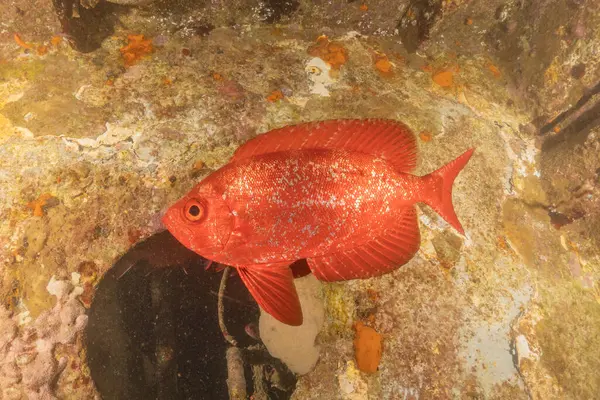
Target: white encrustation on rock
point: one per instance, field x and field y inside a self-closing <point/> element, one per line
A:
<point x="295" y="345"/>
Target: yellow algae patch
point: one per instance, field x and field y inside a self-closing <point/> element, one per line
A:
<point x="6" y="128"/>
<point x="551" y="74"/>
<point x="340" y="308"/>
<point x="34" y="294"/>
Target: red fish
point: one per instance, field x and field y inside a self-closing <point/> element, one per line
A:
<point x="337" y="193"/>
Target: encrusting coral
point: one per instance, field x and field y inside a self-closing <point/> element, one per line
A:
<point x="27" y="361"/>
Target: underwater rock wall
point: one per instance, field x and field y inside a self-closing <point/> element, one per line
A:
<point x="109" y="113"/>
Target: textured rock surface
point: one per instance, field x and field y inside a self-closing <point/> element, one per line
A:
<point x="92" y="151"/>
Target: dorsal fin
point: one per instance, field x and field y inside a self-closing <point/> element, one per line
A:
<point x="387" y="139"/>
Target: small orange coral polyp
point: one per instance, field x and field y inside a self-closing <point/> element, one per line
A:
<point x="198" y="165"/>
<point x="275" y="96"/>
<point x="383" y="65"/>
<point x="21" y="42"/>
<point x="494" y="70"/>
<point x="367" y="348"/>
<point x="425" y="136"/>
<point x="56" y="39"/>
<point x="332" y="53"/>
<point x="37" y="205"/>
<point x="444" y="78"/>
<point x="137" y="48"/>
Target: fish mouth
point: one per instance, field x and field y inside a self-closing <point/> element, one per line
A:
<point x="182" y="233"/>
<point x="167" y="220"/>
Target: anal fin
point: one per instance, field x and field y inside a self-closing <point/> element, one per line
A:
<point x="394" y="248"/>
<point x="272" y="286"/>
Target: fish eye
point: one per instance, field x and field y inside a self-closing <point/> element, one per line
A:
<point x="194" y="210"/>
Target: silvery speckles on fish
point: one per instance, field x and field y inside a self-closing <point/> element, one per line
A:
<point x="336" y="193"/>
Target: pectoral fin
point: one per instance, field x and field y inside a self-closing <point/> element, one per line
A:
<point x="272" y="286"/>
<point x="379" y="256"/>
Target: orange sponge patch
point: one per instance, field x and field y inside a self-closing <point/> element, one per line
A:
<point x="367" y="347"/>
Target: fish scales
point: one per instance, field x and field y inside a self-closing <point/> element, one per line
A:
<point x="311" y="202"/>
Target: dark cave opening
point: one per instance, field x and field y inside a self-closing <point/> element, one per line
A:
<point x="153" y="330"/>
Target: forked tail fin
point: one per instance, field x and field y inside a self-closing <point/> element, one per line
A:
<point x="438" y="189"/>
